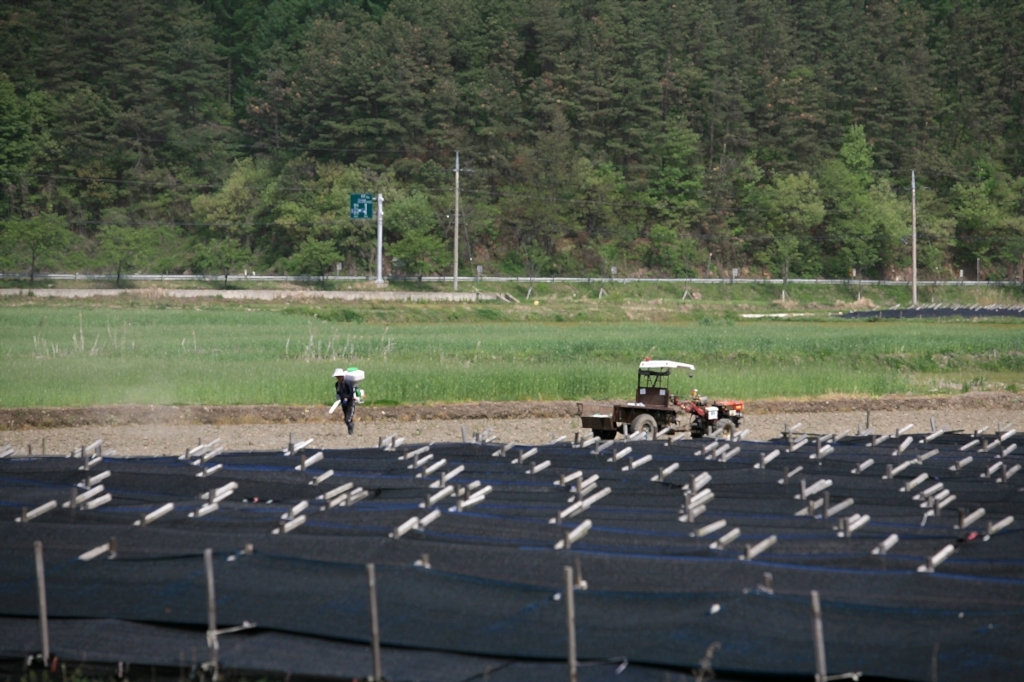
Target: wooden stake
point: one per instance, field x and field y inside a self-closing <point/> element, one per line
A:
<point x="570" y="621"/>
<point x="211" y="614"/>
<point x="44" y="626"/>
<point x="371" y="575"/>
<point x="820" y="667"/>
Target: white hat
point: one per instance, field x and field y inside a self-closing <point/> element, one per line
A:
<point x="339" y="372"/>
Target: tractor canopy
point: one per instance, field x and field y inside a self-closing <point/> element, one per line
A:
<point x="652" y="381"/>
<point x="664" y="364"/>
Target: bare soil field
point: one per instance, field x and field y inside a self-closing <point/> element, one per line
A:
<point x="162" y="429"/>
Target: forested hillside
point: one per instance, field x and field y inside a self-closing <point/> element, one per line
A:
<point x="662" y="137"/>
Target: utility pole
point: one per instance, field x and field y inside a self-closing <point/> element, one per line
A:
<point x="380" y="239"/>
<point x="456" y="275"/>
<point x="913" y="236"/>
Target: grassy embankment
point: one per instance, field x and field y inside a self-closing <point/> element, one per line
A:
<point x="741" y="297"/>
<point x="109" y="352"/>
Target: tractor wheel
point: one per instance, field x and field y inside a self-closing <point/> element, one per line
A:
<point x="645" y="423"/>
<point x="727" y="426"/>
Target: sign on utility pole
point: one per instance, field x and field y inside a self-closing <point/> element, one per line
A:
<point x="360" y="207"/>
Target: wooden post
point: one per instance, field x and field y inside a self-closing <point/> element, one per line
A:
<point x="211" y="614"/>
<point x="371" y="575"/>
<point x="820" y="667"/>
<point x="570" y="622"/>
<point x="44" y="626"/>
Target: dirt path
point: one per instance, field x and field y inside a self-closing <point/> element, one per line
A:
<point x="154" y="430"/>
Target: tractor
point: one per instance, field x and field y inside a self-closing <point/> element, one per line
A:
<point x="655" y="410"/>
<point x="724" y="415"/>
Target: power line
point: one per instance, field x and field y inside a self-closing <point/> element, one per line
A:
<point x="159" y="183"/>
<point x="267" y="146"/>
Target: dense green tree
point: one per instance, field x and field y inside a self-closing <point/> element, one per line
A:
<point x="677" y="182"/>
<point x="978" y="47"/>
<point x="35" y="241"/>
<point x="219" y="256"/>
<point x="419" y="248"/>
<point x="863" y="222"/>
<point x="239" y="205"/>
<point x="635" y="133"/>
<point x="16" y="145"/>
<point x="936" y="236"/>
<point x="315" y="257"/>
<point x="794" y="209"/>
<point x="123" y="246"/>
<point x="134" y="99"/>
<point x="989" y="224"/>
<point x="672" y="253"/>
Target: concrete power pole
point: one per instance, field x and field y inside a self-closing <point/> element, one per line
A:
<point x="913" y="235"/>
<point x="380" y="240"/>
<point x="456" y="275"/>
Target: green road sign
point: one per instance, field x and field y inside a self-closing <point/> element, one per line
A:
<point x="360" y="206"/>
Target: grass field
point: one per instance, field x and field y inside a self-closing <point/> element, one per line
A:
<point x="86" y="354"/>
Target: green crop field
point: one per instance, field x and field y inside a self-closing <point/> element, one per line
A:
<point x="96" y="354"/>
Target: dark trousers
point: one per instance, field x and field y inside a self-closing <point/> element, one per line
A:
<point x="349" y="409"/>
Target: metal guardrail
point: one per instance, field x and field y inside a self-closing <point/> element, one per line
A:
<point x="311" y="279"/>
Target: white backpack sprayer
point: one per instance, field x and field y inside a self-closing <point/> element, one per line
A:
<point x="357" y="375"/>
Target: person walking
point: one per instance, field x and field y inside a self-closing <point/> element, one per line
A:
<point x="345" y="388"/>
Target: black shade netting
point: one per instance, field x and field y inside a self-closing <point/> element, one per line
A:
<point x="653" y="576"/>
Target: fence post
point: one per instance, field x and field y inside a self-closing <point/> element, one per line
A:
<point x="371" y="575"/>
<point x="820" y="667"/>
<point x="44" y="626"/>
<point x="570" y="621"/>
<point x="211" y="614"/>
